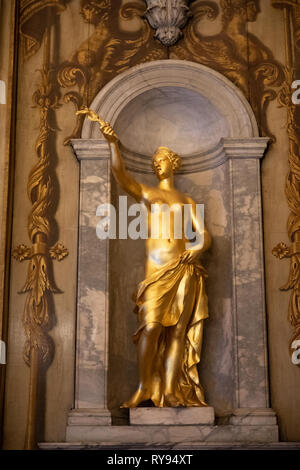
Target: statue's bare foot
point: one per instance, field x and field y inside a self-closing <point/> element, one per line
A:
<point x="138" y="397"/>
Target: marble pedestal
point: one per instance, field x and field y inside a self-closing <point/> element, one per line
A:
<point x="178" y="435"/>
<point x="177" y="427"/>
<point x="172" y="435"/>
<point x="172" y="416"/>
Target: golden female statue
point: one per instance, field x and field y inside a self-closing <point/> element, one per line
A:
<point x="171" y="301"/>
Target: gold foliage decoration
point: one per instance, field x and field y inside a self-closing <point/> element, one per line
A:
<point x="40" y="188"/>
<point x="234" y="52"/>
<point x="39" y="315"/>
<point x="21" y="252"/>
<point x="292" y="191"/>
<point x="58" y="252"/>
<point x="107" y="52"/>
<point x="292" y="188"/>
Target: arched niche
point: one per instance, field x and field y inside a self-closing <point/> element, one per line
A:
<point x="204" y="117"/>
<point x="214" y="89"/>
<point x="180" y="104"/>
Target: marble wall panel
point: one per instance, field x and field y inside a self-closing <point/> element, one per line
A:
<point x="91" y="367"/>
<point x="249" y="296"/>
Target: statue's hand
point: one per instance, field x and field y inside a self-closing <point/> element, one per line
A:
<point x="105" y="127"/>
<point x="108" y="132"/>
<point x="90" y="114"/>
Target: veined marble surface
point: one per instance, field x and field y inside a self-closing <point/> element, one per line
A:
<point x="166" y="435"/>
<point x="171" y="446"/>
<point x="172" y="416"/>
<point x="92" y="311"/>
<point x="172" y="117"/>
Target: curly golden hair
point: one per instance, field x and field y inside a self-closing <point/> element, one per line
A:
<point x="172" y="156"/>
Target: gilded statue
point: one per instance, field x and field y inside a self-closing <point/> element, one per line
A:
<point x="171" y="301"/>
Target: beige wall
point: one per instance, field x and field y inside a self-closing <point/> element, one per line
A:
<point x="7" y="76"/>
<point x="6" y="44"/>
<point x="72" y="32"/>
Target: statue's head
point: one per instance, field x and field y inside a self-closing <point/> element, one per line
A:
<point x="246" y="9"/>
<point x="165" y="162"/>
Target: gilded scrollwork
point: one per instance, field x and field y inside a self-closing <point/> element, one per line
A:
<point x="39" y="315"/>
<point x="234" y="52"/>
<point x="292" y="188"/>
<point x="107" y="52"/>
<point x="39" y="284"/>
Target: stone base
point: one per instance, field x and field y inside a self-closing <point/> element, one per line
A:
<point x="172" y="427"/>
<point x="258" y="416"/>
<point x="89" y="417"/>
<point x="172" y="416"/>
<point x="174" y="435"/>
<point x="191" y="447"/>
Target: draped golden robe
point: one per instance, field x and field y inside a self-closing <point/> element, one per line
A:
<point x="162" y="298"/>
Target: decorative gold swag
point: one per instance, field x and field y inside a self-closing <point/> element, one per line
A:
<point x="36" y="18"/>
<point x="291" y="13"/>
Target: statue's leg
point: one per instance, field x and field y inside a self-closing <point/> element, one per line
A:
<point x="173" y="358"/>
<point x="174" y="353"/>
<point x="147" y="350"/>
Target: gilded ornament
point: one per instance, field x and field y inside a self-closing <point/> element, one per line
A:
<point x="38" y="317"/>
<point x="21" y="252"/>
<point x="234" y="52"/>
<point x="107" y="52"/>
<point x="58" y="252"/>
<point x="281" y="251"/>
<point x="292" y="189"/>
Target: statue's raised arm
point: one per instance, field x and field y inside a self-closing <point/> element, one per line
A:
<point x="123" y="178"/>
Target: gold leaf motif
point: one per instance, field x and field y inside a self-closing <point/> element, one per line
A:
<point x="21" y="252"/>
<point x="281" y="251"/>
<point x="107" y="52"/>
<point x="58" y="251"/>
<point x="292" y="188"/>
